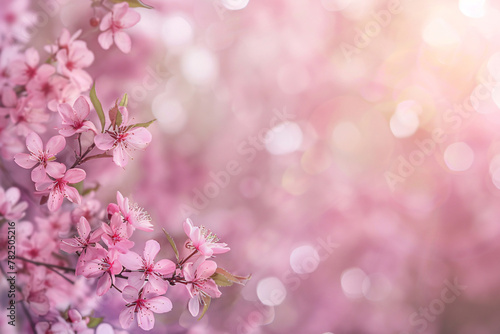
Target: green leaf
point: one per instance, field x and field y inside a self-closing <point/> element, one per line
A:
<point x="206" y="304"/>
<point x="97" y="106"/>
<point x="78" y="186"/>
<point x="124" y="101"/>
<point x="89" y="190"/>
<point x="172" y="243"/>
<point x="134" y="3"/>
<point x="94" y="322"/>
<point x="221" y="280"/>
<point x="144" y="125"/>
<point x="222" y="275"/>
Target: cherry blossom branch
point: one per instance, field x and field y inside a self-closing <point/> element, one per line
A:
<point x="48" y="265"/>
<point x="80" y="159"/>
<point x="185" y="260"/>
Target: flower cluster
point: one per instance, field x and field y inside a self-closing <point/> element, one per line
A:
<point x="53" y="128"/>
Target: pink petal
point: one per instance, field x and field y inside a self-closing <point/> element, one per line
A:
<point x="119" y="10"/>
<point x="88" y="125"/>
<point x="120" y="156"/>
<point x="34" y="143"/>
<point x="106" y="22"/>
<point x="188" y="226"/>
<point x="55" y="145"/>
<point x="45" y="71"/>
<point x="32" y="57"/>
<point x="157" y="285"/>
<point x="136" y="279"/>
<point x="55" y="169"/>
<point x="130" y="294"/>
<point x="131" y="18"/>
<point x="127" y="317"/>
<point x="206" y="269"/>
<point x="194" y="306"/>
<point x="72" y="195"/>
<point x="122" y="41"/>
<point x="9" y="97"/>
<point x="38" y="174"/>
<point x="105" y="39"/>
<point x="67" y="131"/>
<point x="131" y="261"/>
<point x="139" y="138"/>
<point x="24" y="160"/>
<point x="83" y="228"/>
<point x="103" y="284"/>
<point x="211" y="289"/>
<point x="55" y="200"/>
<point x="67" y="113"/>
<point x="159" y="304"/>
<point x="104" y="141"/>
<point x="145" y="319"/>
<point x="124" y="112"/>
<point x="75" y="175"/>
<point x="92" y="269"/>
<point x="164" y="267"/>
<point x="81" y="79"/>
<point x="151" y="250"/>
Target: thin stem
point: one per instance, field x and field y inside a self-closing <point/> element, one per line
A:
<point x="62" y="275"/>
<point x="48" y="265"/>
<point x="114" y="286"/>
<point x="80" y="143"/>
<point x="82" y="157"/>
<point x="97" y="156"/>
<point x="190" y="255"/>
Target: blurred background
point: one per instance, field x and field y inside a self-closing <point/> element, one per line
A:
<point x="347" y="150"/>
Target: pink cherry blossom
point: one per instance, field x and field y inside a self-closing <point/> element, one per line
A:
<point x="115" y="235"/>
<point x="10" y="207"/>
<point x="46" y="86"/>
<point x="65" y="41"/>
<point x="105" y="265"/>
<point x="123" y="139"/>
<point x="71" y="62"/>
<point x="203" y="240"/>
<point x="144" y="304"/>
<point x="25" y="69"/>
<point x="57" y="223"/>
<point x="83" y="240"/>
<point x="28" y="116"/>
<point x="73" y="118"/>
<point x="38" y="247"/>
<point x="40" y="157"/>
<point x="60" y="188"/>
<point x="113" y="23"/>
<point x="200" y="284"/>
<point x="148" y="270"/>
<point x="132" y="214"/>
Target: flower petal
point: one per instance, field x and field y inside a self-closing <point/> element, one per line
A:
<point x="103" y="284"/>
<point x="55" y="145"/>
<point x="24" y="160"/>
<point x="145" y="319"/>
<point x="151" y="250"/>
<point x="131" y="261"/>
<point x="104" y="141"/>
<point x="164" y="267"/>
<point x="130" y="294"/>
<point x="194" y="306"/>
<point x="126" y="317"/>
<point x="75" y="175"/>
<point x="122" y="41"/>
<point x="72" y="195"/>
<point x="105" y="39"/>
<point x="34" y="143"/>
<point x="159" y="304"/>
<point x="139" y="138"/>
<point x="206" y="269"/>
<point x="55" y="200"/>
<point x="81" y="108"/>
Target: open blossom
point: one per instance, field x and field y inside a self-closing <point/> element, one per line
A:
<point x="71" y="62"/>
<point x="105" y="265"/>
<point x="203" y="241"/>
<point x="24" y="70"/>
<point x="123" y="139"/>
<point x="142" y="304"/>
<point x="83" y="240"/>
<point x="40" y="157"/>
<point x="132" y="214"/>
<point x="116" y="235"/>
<point x="148" y="270"/>
<point x="60" y="188"/>
<point x="113" y="23"/>
<point x="10" y="207"/>
<point x="73" y="118"/>
<point x="200" y="284"/>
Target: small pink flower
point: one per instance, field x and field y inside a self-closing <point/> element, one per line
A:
<point x="58" y="223"/>
<point x="71" y="62"/>
<point x="28" y="116"/>
<point x="44" y="158"/>
<point x="65" y="41"/>
<point x="73" y="118"/>
<point x="143" y="304"/>
<point x="148" y="269"/>
<point x="200" y="284"/>
<point x="113" y="23"/>
<point x="123" y="139"/>
<point x="84" y="239"/>
<point x="59" y="188"/>
<point x="115" y="234"/>
<point x="104" y="265"/>
<point x="202" y="240"/>
<point x="24" y="70"/>
<point x="133" y="214"/>
<point x="38" y="247"/>
<point x="10" y="207"/>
